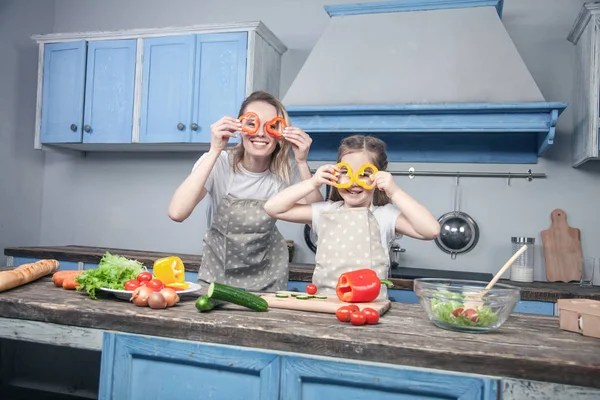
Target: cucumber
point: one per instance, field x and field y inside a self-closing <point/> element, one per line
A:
<point x="319" y="297"/>
<point x="218" y="291"/>
<point x="205" y="303"/>
<point x="303" y="297"/>
<point x="296" y="294"/>
<point x="281" y="295"/>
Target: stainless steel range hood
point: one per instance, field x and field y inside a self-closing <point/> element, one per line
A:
<point x="426" y="75"/>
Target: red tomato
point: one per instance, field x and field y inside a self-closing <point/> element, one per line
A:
<point x="155" y="284"/>
<point x="472" y="315"/>
<point x="353" y="307"/>
<point x="311" y="288"/>
<point x="343" y="313"/>
<point x="132" y="284"/>
<point x="144" y="276"/>
<point x="357" y="318"/>
<point x="457" y="312"/>
<point x="371" y="315"/>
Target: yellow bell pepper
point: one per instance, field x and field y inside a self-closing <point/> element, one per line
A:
<point x="169" y="270"/>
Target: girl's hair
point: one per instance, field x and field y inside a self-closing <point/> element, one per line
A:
<point x="280" y="159"/>
<point x="376" y="148"/>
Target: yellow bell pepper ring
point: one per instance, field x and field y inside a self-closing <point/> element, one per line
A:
<point x="361" y="172"/>
<point x="169" y="270"/>
<point x="349" y="173"/>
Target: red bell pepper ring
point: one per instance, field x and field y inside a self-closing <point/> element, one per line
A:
<point x="360" y="286"/>
<point x="249" y="129"/>
<point x="272" y="127"/>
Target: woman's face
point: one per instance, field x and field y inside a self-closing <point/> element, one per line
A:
<point x="260" y="144"/>
<point x="356" y="196"/>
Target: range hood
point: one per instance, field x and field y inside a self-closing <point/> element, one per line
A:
<point x="438" y="80"/>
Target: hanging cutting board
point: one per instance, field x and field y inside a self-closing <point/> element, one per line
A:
<point x="562" y="249"/>
<point x="328" y="305"/>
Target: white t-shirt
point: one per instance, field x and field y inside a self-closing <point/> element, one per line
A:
<point x="245" y="184"/>
<point x="386" y="217"/>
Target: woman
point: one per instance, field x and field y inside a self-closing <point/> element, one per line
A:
<point x="243" y="246"/>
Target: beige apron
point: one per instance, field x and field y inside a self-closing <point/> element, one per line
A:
<point x="348" y="239"/>
<point x="243" y="247"/>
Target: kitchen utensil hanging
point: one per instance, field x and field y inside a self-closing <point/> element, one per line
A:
<point x="459" y="232"/>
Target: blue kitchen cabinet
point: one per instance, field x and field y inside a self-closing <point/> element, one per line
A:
<point x="311" y="378"/>
<point x="144" y="367"/>
<point x="189" y="82"/>
<point x="109" y="92"/>
<point x="63" y="92"/>
<point x="185" y="370"/>
<point x="88" y="92"/>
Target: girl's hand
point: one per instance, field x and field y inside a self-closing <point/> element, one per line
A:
<point x="385" y="181"/>
<point x="300" y="142"/>
<point x="324" y="175"/>
<point x="221" y="131"/>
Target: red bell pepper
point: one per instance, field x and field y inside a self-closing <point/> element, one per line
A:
<point x="360" y="286"/>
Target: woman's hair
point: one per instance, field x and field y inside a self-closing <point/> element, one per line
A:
<point x="280" y="159"/>
<point x="376" y="149"/>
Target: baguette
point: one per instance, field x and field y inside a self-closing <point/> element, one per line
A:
<point x="27" y="273"/>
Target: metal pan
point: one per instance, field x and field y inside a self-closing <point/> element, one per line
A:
<point x="459" y="233"/>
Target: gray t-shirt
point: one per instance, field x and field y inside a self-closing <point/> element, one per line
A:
<point x="244" y="184"/>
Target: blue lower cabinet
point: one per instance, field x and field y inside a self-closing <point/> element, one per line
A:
<point x="147" y="368"/>
<point x="64" y="265"/>
<point x="309" y="378"/>
<point x="403" y="296"/>
<point x="535" y="307"/>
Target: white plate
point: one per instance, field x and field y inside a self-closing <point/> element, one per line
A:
<point x="126" y="294"/>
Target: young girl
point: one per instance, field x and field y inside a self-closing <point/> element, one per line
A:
<point x="242" y="246"/>
<point x="366" y="212"/>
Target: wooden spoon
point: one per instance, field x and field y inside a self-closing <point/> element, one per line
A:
<point x="476" y="297"/>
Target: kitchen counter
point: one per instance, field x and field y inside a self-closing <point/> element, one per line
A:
<point x="526" y="347"/>
<point x="536" y="291"/>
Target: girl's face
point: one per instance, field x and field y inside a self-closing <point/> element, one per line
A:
<point x="260" y="144"/>
<point x="357" y="196"/>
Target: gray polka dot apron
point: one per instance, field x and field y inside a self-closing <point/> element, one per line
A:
<point x="349" y="239"/>
<point x="243" y="247"/>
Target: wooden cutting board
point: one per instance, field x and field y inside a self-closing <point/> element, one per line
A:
<point x="562" y="249"/>
<point x="328" y="305"/>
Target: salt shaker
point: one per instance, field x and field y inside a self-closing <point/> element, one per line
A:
<point x="522" y="269"/>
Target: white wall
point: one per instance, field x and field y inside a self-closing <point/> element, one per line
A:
<point x="20" y="165"/>
<point x="120" y="200"/>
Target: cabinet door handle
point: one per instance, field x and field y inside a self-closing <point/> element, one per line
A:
<point x="180" y="126"/>
<point x="194" y="127"/>
<point x="87" y="128"/>
<point x="74" y="127"/>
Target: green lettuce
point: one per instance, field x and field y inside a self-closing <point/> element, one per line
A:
<point x="112" y="273"/>
<point x="442" y="311"/>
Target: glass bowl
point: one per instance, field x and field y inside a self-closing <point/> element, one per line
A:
<point x="458" y="305"/>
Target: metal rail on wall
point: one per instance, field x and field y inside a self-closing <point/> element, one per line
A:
<point x="412" y="173"/>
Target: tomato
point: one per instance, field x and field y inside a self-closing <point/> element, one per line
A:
<point x="371" y="315"/>
<point x="472" y="315"/>
<point x="343" y="313"/>
<point x="132" y="284"/>
<point x="457" y="312"/>
<point x="358" y="318"/>
<point x="155" y="285"/>
<point x="311" y="288"/>
<point x="144" y="276"/>
<point x="353" y="307"/>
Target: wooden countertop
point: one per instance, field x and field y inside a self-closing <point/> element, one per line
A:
<point x="536" y="291"/>
<point x="526" y="347"/>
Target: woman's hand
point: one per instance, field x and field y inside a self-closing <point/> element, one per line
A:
<point x="300" y="142"/>
<point x="324" y="175"/>
<point x="385" y="181"/>
<point x="221" y="131"/>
